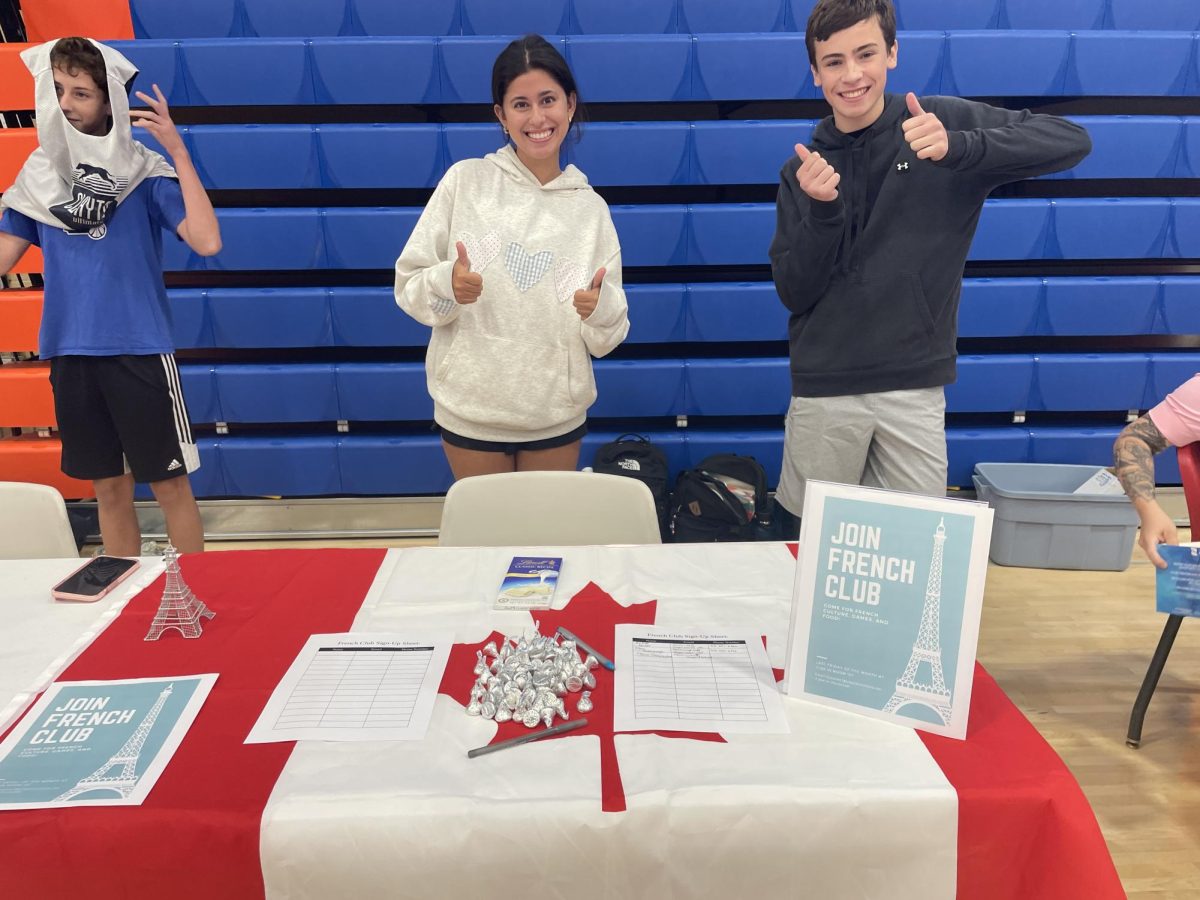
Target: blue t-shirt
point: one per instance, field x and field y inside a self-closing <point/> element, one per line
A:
<point x="105" y="296"/>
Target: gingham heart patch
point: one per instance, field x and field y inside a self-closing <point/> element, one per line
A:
<point x="524" y="268"/>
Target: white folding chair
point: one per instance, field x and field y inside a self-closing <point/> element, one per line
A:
<point x="33" y="522"/>
<point x="548" y="508"/>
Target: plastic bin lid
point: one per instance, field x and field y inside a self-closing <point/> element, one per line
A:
<point x="1041" y="481"/>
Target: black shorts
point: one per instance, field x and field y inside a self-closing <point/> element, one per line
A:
<point x="119" y="414"/>
<point x="511" y="448"/>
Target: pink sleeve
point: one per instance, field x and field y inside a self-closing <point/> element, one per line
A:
<point x="1178" y="416"/>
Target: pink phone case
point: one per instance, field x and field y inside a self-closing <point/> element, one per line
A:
<point x="58" y="594"/>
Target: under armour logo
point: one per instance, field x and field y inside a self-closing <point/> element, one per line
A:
<point x="175" y="464"/>
<point x="901" y="166"/>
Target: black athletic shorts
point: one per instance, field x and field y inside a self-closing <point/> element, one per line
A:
<point x="119" y="414"/>
<point x="511" y="448"/>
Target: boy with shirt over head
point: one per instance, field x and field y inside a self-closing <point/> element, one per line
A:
<point x="96" y="202"/>
<point x="874" y="221"/>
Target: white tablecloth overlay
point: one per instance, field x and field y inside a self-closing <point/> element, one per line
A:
<point x="41" y="636"/>
<point x="844" y="807"/>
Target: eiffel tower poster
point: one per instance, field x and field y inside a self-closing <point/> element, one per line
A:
<point x="97" y="743"/>
<point x="886" y="607"/>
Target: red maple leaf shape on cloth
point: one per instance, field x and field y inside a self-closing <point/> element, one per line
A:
<point x="593" y="615"/>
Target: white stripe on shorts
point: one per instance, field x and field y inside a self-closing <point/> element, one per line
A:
<point x="183" y="429"/>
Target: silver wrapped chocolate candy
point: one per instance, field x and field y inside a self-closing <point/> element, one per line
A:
<point x="525" y="679"/>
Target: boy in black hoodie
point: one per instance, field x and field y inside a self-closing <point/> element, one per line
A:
<point x="873" y="226"/>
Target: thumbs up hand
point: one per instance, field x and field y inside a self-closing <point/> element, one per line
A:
<point x="467" y="285"/>
<point x="924" y="131"/>
<point x="585" y="301"/>
<point x="816" y="176"/>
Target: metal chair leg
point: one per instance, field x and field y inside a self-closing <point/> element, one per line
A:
<point x="1150" y="682"/>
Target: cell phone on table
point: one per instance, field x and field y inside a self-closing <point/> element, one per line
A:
<point x="94" y="579"/>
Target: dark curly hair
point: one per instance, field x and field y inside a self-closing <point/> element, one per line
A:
<point x="76" y="54"/>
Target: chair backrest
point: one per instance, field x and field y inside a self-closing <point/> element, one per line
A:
<point x="1189" y="473"/>
<point x="548" y="508"/>
<point x="34" y="523"/>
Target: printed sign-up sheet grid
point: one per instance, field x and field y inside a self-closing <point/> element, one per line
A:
<point x="695" y="679"/>
<point x="357" y="687"/>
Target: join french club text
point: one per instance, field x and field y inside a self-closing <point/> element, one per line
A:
<point x="857" y="570"/>
<point x="75" y="720"/>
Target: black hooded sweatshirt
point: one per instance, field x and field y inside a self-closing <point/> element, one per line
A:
<point x="872" y="278"/>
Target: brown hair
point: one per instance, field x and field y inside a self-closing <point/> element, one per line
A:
<point x="76" y="54"/>
<point x="831" y="16"/>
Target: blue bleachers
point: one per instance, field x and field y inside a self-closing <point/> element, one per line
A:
<point x="997" y="63"/>
<point x="317" y="18"/>
<point x="387" y="17"/>
<point x="920" y="15"/>
<point x="662" y="67"/>
<point x="678" y="360"/>
<point x="1139" y="64"/>
<point x="256" y="156"/>
<point x="705" y="234"/>
<point x="1000" y="307"/>
<point x="273" y="71"/>
<point x="669" y="153"/>
<point x="606" y="17"/>
<point x="1068" y="15"/>
<point x="1113" y="228"/>
<point x="171" y="19"/>
<point x="714" y="16"/>
<point x="631" y="68"/>
<point x="374" y="70"/>
<point x="367" y="156"/>
<point x="258" y="318"/>
<point x="1164" y="15"/>
<point x="287" y="18"/>
<point x="250" y="393"/>
<point x="1127" y="305"/>
<point x="368" y="464"/>
<point x="663" y="154"/>
<point x="515" y="16"/>
<point x="1002" y="382"/>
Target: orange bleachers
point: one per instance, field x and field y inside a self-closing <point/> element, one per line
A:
<point x="15" y="146"/>
<point x="26" y="400"/>
<point x="36" y="459"/>
<point x="20" y="318"/>
<point x="16" y="86"/>
<point x="104" y="20"/>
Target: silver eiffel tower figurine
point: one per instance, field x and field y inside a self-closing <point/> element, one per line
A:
<point x="180" y="608"/>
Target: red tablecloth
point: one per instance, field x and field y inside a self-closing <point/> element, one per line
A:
<point x="1025" y="828"/>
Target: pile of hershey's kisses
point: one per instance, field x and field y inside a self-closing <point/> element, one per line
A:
<point x="527" y="680"/>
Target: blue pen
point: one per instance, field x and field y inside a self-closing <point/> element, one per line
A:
<point x="600" y="657"/>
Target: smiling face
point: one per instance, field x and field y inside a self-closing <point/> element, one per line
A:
<point x="537" y="114"/>
<point x="851" y="71"/>
<point x="82" y="103"/>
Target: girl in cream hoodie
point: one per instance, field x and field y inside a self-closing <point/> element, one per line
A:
<point x="516" y="266"/>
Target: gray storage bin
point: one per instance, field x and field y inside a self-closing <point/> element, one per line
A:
<point x="1039" y="523"/>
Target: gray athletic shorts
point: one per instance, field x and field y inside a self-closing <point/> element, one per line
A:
<point x="894" y="440"/>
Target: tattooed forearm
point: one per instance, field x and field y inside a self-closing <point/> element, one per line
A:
<point x="1133" y="457"/>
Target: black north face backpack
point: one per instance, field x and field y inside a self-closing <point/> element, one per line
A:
<point x="634" y="456"/>
<point x="723" y="499"/>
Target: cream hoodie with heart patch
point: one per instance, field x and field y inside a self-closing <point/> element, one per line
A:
<point x="516" y="364"/>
